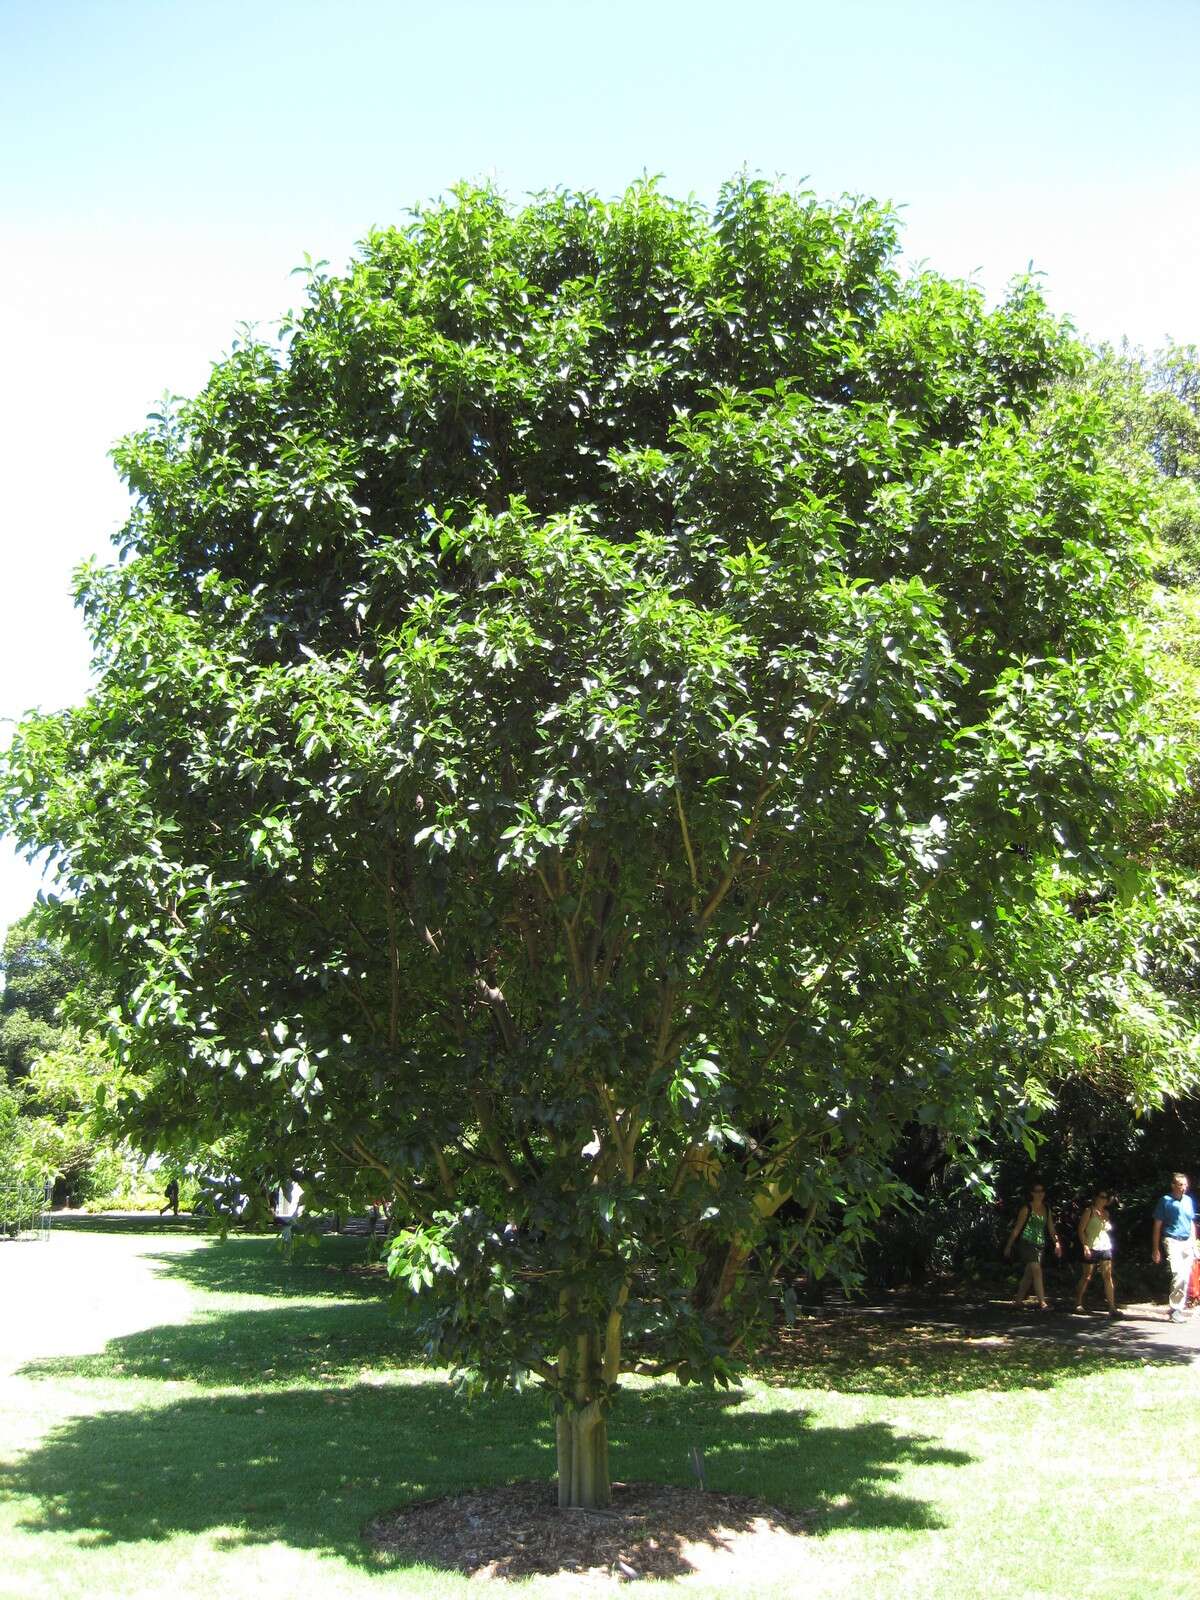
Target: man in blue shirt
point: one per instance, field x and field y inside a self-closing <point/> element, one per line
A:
<point x="1175" y="1222"/>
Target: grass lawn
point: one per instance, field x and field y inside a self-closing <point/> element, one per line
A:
<point x="205" y="1421"/>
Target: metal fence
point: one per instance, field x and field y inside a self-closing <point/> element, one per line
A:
<point x="24" y="1207"/>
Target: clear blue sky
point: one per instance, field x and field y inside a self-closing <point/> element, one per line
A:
<point x="165" y="165"/>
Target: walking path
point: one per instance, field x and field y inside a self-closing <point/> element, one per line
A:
<point x="1140" y="1330"/>
<point x="345" y="1224"/>
<point x="72" y="1293"/>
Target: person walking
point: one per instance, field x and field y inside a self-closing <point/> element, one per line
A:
<point x="1096" y="1237"/>
<point x="1175" y="1226"/>
<point x="171" y="1195"/>
<point x="1032" y="1230"/>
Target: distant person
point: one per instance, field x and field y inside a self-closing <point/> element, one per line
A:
<point x="288" y="1208"/>
<point x="1031" y="1232"/>
<point x="172" y="1197"/>
<point x="1175" y="1224"/>
<point x="1096" y="1237"/>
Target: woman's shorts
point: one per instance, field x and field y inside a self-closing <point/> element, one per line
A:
<point x="1029" y="1255"/>
<point x="1096" y="1257"/>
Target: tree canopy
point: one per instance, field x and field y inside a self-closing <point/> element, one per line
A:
<point x="589" y="721"/>
<point x="36" y="976"/>
<point x="55" y="1073"/>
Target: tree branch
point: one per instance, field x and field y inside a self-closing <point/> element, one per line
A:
<point x="624" y="1155"/>
<point x="568" y="929"/>
<point x="363" y="1157"/>
<point x="493" y="998"/>
<point x="606" y="891"/>
<point x="393" y="956"/>
<point x="444" y="1173"/>
<point x="687" y="838"/>
<point x="493" y="1141"/>
<point x="611" y="956"/>
<point x="764" y="793"/>
<point x="662" y="1038"/>
<point x="612" y="1336"/>
<point x="738" y="858"/>
<point x="587" y="867"/>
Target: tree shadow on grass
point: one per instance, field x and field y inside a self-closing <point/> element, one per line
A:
<point x="149" y="1224"/>
<point x="293" y="1344"/>
<point x="308" y="1467"/>
<point x="856" y="1350"/>
<point x="261" y="1263"/>
<point x="335" y="1266"/>
<point x="864" y="1354"/>
<point x="309" y="1464"/>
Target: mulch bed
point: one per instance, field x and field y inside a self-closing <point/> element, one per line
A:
<point x="652" y="1530"/>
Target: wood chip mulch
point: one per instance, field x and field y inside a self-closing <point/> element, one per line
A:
<point x="651" y="1531"/>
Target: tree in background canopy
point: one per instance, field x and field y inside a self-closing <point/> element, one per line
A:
<point x="593" y="727"/>
<point x="1138" y="941"/>
<point x="56" y="1072"/>
<point x="36" y="976"/>
<point x="1095" y="1133"/>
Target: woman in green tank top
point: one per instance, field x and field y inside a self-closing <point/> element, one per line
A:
<point x="1033" y="1227"/>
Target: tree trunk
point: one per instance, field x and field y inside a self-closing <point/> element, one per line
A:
<point x="736" y="1257"/>
<point x="583" y="1458"/>
<point x="766" y="1202"/>
<point x="588" y="1365"/>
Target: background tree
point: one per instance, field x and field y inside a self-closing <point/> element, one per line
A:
<point x="586" y="725"/>
<point x="56" y="1071"/>
<point x="36" y="976"/>
<point x="1154" y="406"/>
<point x="1107" y="1121"/>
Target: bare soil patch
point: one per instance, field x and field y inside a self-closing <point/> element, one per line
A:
<point x="652" y="1530"/>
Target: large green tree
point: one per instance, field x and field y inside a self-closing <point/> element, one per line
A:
<point x="585" y="722"/>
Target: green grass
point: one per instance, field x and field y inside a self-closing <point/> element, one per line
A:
<point x="176" y="1403"/>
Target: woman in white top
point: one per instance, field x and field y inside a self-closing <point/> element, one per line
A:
<point x="1096" y="1237"/>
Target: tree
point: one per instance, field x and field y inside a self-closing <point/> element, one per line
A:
<point x="1154" y="404"/>
<point x="22" y="1178"/>
<point x="57" y="1071"/>
<point x="36" y="976"/>
<point x="1108" y="1119"/>
<point x="584" y="725"/>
